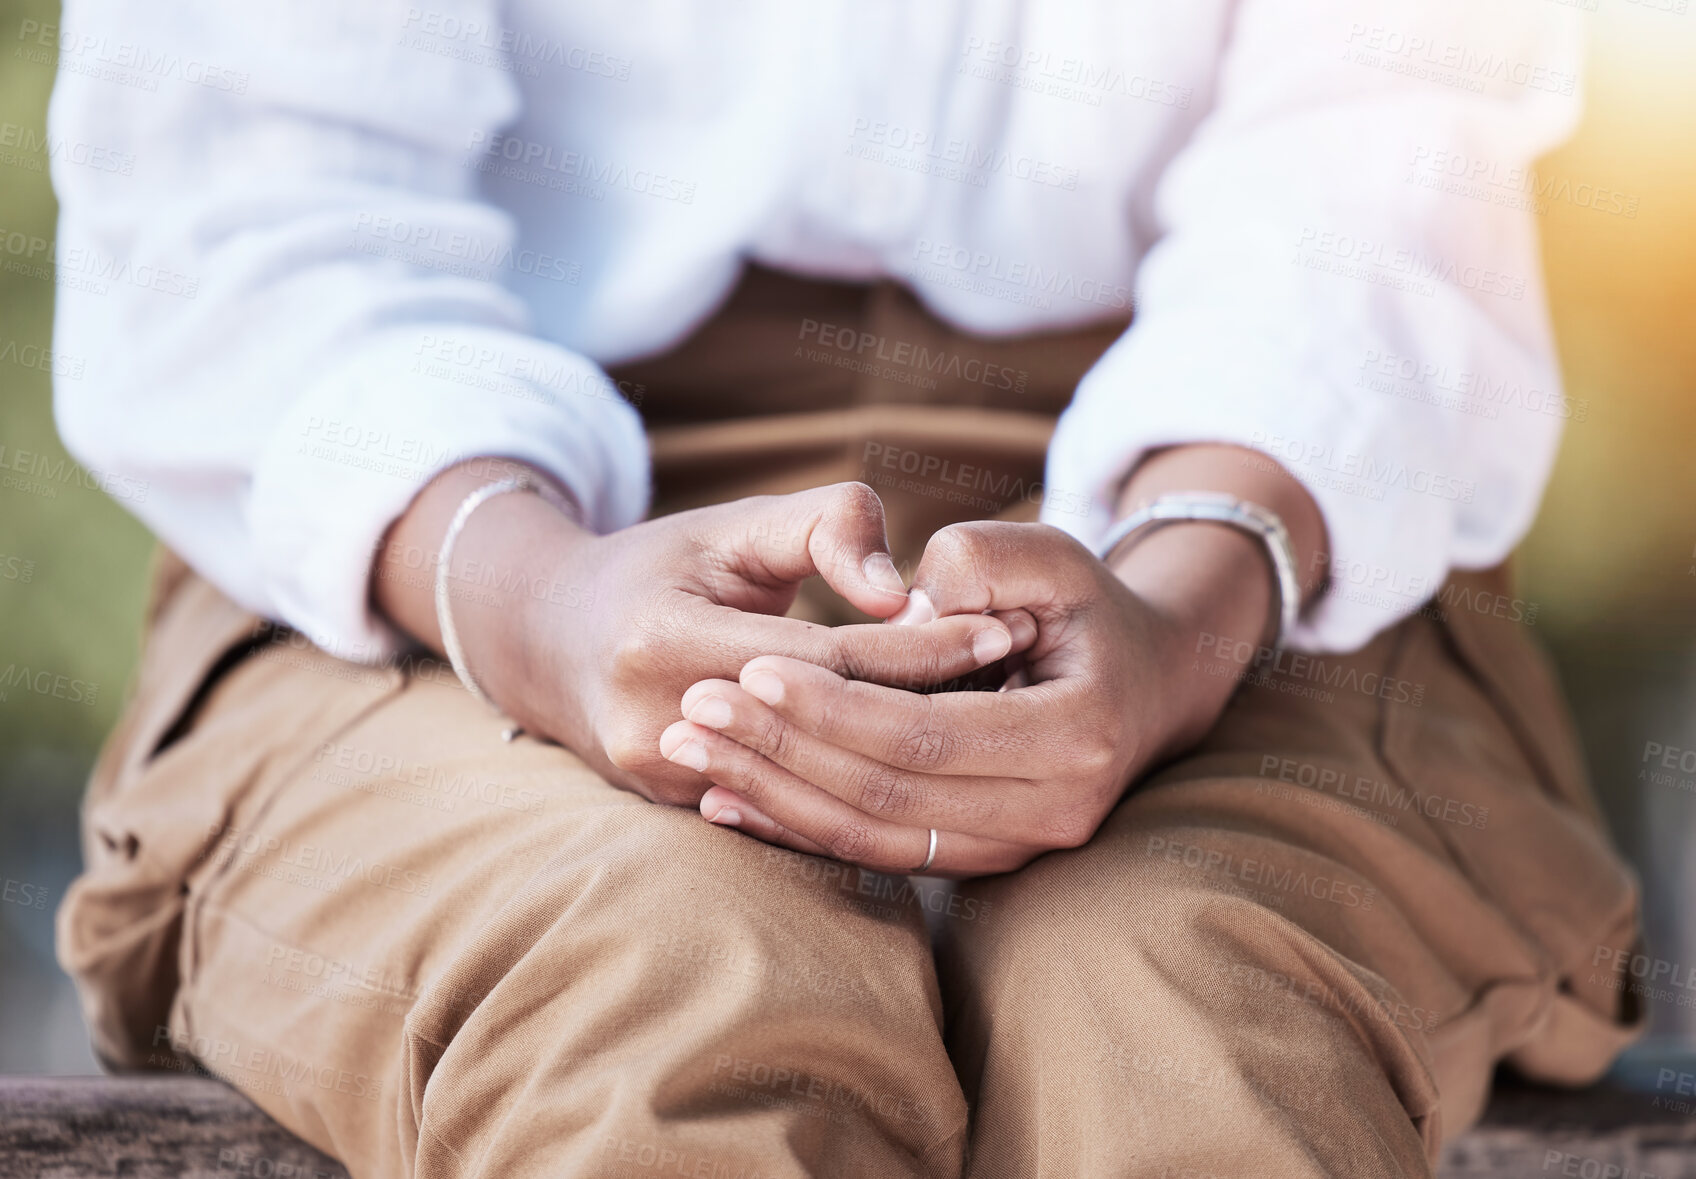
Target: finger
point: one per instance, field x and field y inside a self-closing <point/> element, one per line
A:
<point x="1021" y="733"/>
<point x="998" y="565"/>
<point x="840" y="831"/>
<point x="729" y="809"/>
<point x="1021" y="625"/>
<point x="935" y="654"/>
<point x="993" y="807"/>
<point x="836" y="532"/>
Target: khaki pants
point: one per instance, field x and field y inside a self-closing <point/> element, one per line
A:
<point x="1299" y="950"/>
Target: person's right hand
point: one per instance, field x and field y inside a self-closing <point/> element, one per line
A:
<point x="591" y="640"/>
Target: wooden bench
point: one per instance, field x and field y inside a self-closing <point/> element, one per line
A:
<point x="154" y="1127"/>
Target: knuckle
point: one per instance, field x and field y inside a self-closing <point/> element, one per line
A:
<point x="772" y="738"/>
<point x="842" y="657"/>
<point x="961" y="546"/>
<point x="630" y="750"/>
<point x="922" y="745"/>
<point x="637" y="653"/>
<point x="849" y="840"/>
<point x="1070" y="827"/>
<point x="1095" y="755"/>
<point x="858" y="501"/>
<point x="885" y="791"/>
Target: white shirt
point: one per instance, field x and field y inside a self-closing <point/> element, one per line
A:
<point x="312" y="253"/>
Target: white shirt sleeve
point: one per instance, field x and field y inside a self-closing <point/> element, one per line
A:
<point x="1347" y="281"/>
<point x="292" y="303"/>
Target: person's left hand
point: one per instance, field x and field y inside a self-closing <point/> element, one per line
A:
<point x="803" y="757"/>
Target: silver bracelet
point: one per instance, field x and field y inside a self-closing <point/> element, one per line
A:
<point x="1219" y="508"/>
<point x="444" y="611"/>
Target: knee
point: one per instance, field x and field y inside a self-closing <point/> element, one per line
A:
<point x="713" y="979"/>
<point x="614" y="907"/>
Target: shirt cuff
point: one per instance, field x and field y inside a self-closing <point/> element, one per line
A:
<point x="1389" y="507"/>
<point x="354" y="450"/>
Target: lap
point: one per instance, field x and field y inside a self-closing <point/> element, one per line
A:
<point x="1366" y="880"/>
<point x="360" y="899"/>
<point x="386" y="918"/>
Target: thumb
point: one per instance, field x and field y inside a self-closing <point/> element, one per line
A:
<point x="836" y="532"/>
<point x="994" y="566"/>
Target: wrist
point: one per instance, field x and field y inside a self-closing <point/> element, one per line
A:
<point x="503" y="547"/>
<point x="515" y="583"/>
<point x="1209" y="584"/>
<point x="1204" y="586"/>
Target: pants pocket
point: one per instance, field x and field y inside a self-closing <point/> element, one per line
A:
<point x="212" y="708"/>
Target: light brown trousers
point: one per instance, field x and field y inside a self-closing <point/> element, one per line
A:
<point x="1299" y="950"/>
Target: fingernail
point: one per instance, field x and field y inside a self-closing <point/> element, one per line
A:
<point x="1022" y="628"/>
<point x="711" y="712"/>
<point x="763" y="685"/>
<point x="692" y="754"/>
<point x="727" y="816"/>
<point x="881" y="573"/>
<point x="917" y="611"/>
<point x="991" y="644"/>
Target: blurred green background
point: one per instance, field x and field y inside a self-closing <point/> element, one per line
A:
<point x="1612" y="563"/>
<point x="71" y="586"/>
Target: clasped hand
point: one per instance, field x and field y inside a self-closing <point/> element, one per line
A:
<point x="802" y="755"/>
<point x="826" y="739"/>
